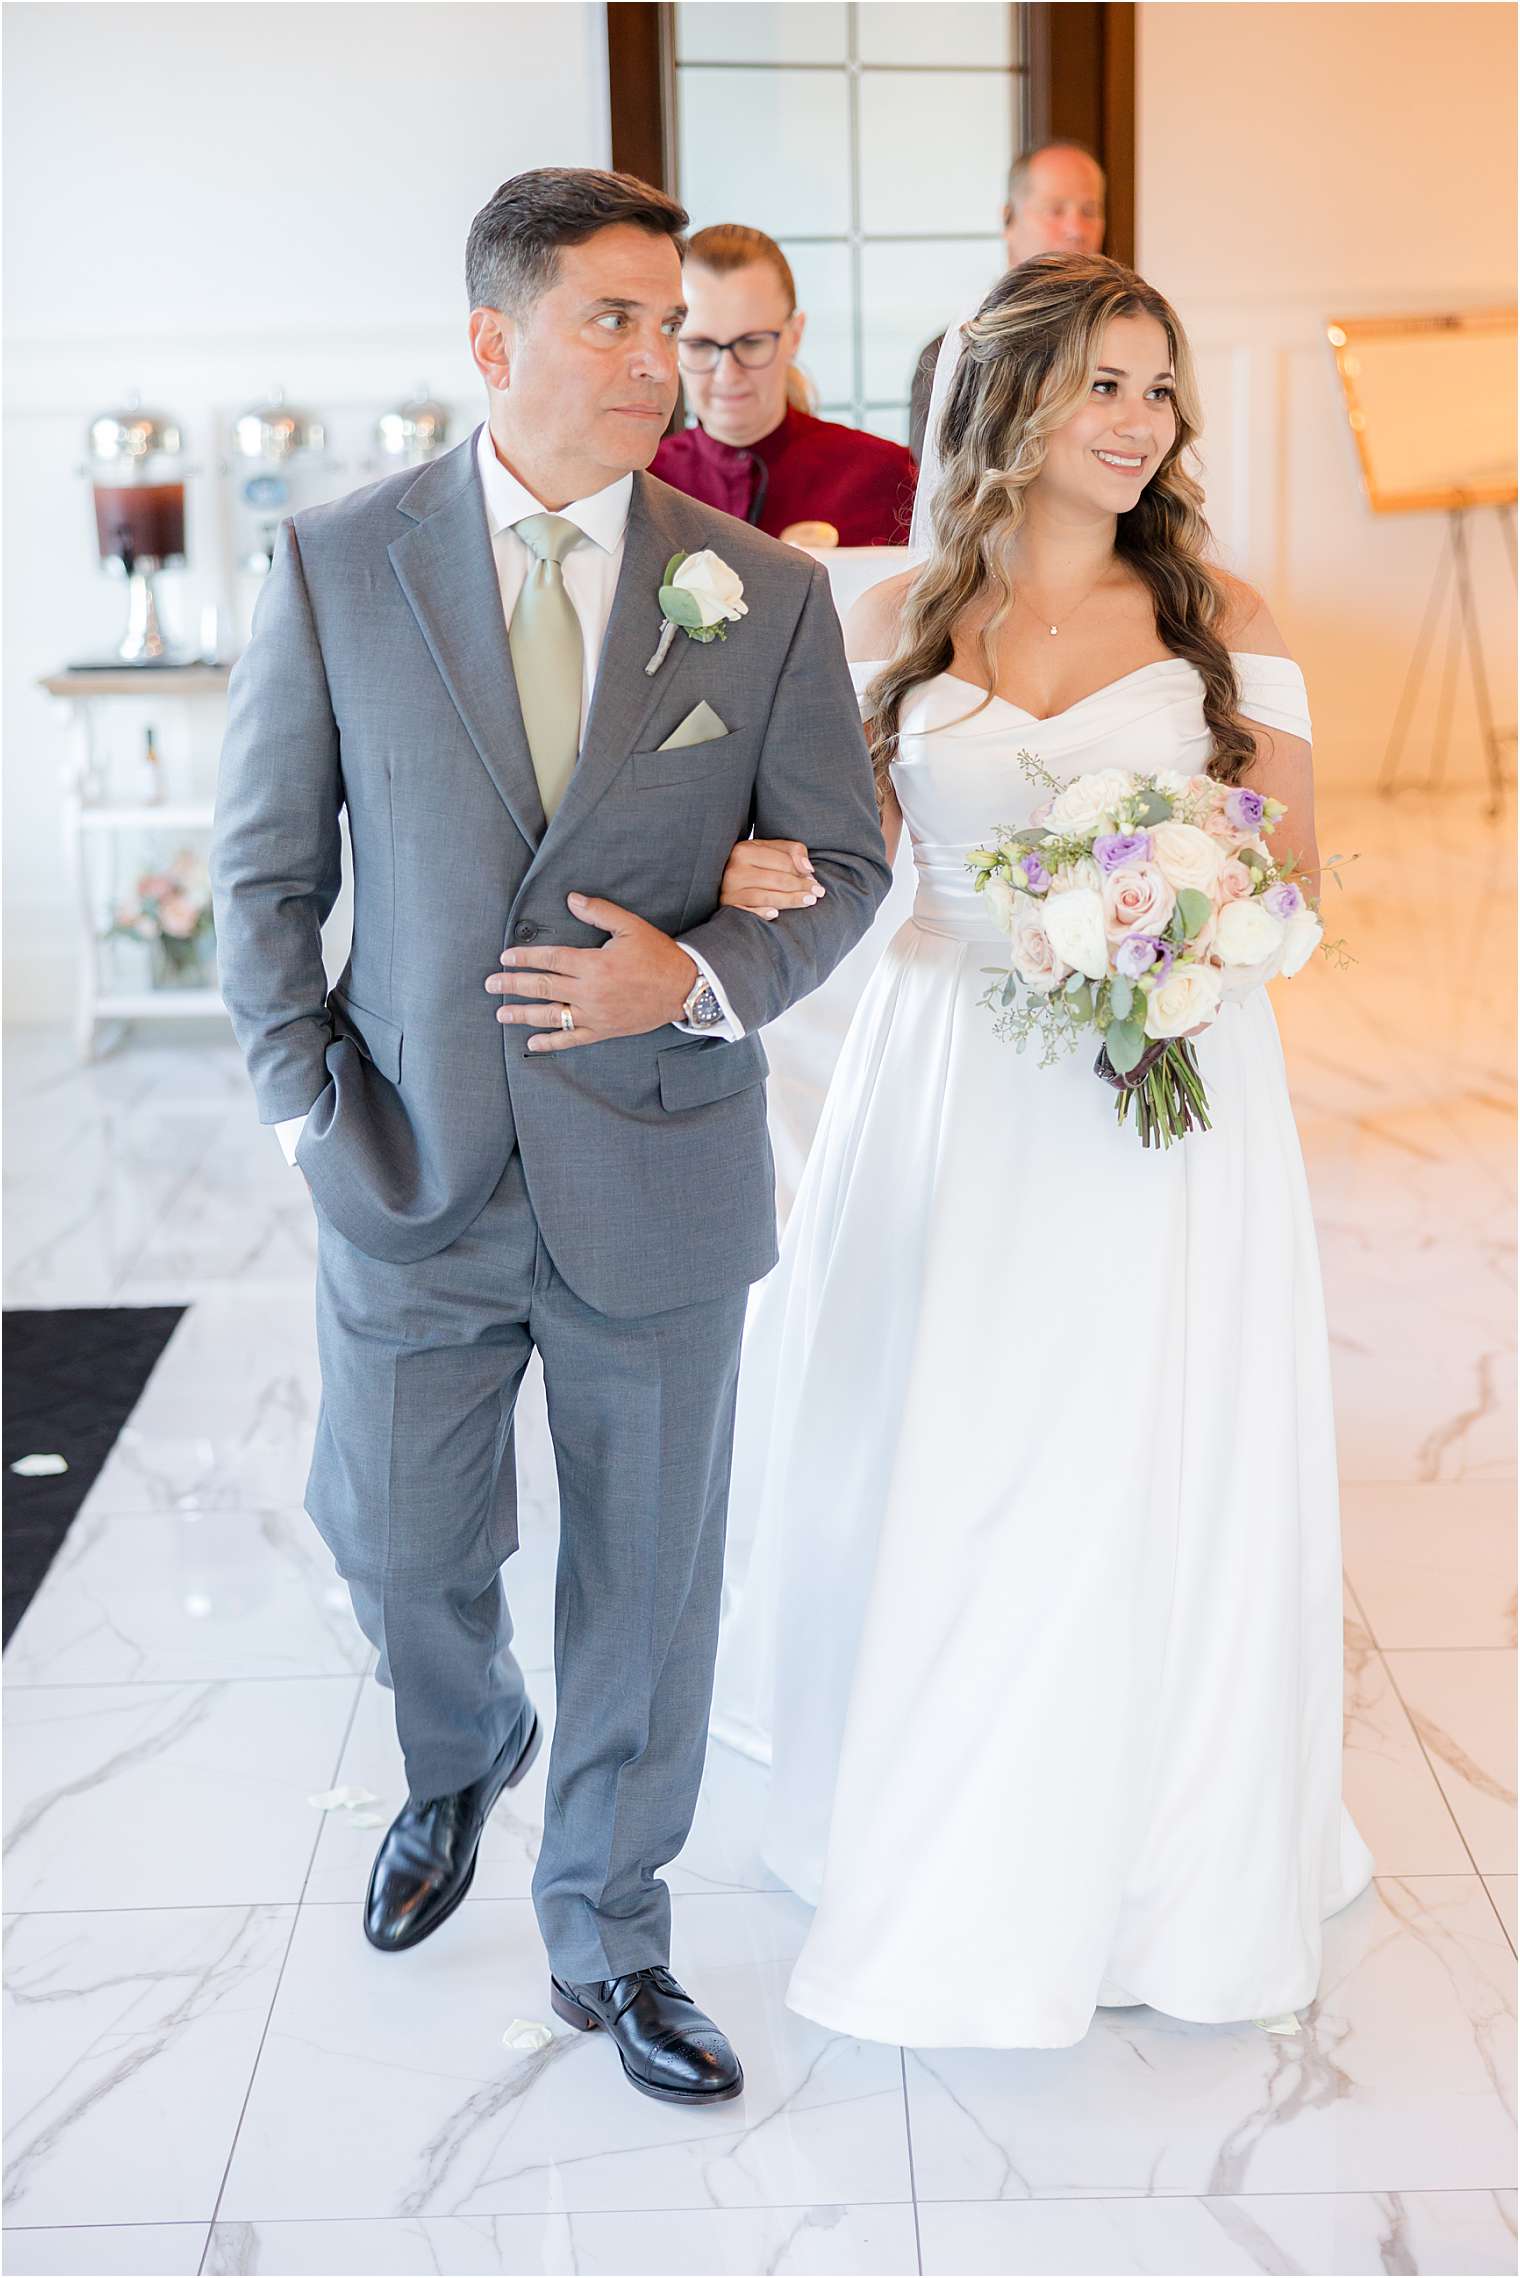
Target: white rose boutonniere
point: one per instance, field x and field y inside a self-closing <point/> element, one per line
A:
<point x="700" y="595"/>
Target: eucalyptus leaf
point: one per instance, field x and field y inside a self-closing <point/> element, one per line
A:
<point x="1252" y="860"/>
<point x="1075" y="982"/>
<point x="1035" y="836"/>
<point x="1121" y="996"/>
<point x="672" y="566"/>
<point x="1010" y="990"/>
<point x="1153" y="807"/>
<point x="682" y="608"/>
<point x="1081" y="999"/>
<point x="1126" y="1046"/>
<point x="1194" y="909"/>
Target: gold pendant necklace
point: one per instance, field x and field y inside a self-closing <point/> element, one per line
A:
<point x="1071" y="612"/>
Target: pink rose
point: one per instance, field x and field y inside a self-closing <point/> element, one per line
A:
<point x="177" y="916"/>
<point x="1218" y="825"/>
<point x="1136" y="900"/>
<point x="1034" y="960"/>
<point x="1235" y="881"/>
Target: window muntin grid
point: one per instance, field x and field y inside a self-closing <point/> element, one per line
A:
<point x="824" y="74"/>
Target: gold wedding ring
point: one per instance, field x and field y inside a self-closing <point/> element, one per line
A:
<point x="566" y="1019"/>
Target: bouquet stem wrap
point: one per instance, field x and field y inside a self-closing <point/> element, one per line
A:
<point x="1165" y="1089"/>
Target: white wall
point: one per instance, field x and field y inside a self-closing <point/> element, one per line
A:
<point x="1303" y="162"/>
<point x="203" y="202"/>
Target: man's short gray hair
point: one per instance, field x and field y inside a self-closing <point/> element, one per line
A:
<point x="515" y="242"/>
<point x="1019" y="171"/>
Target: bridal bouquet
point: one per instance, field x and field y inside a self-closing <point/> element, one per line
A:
<point x="1136" y="905"/>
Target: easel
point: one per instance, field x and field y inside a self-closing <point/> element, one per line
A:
<point x="1451" y="596"/>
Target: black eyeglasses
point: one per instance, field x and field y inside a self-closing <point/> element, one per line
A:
<point x="752" y="351"/>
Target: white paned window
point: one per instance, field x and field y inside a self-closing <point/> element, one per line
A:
<point x="872" y="140"/>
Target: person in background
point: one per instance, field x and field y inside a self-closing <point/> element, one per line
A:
<point x="1056" y="196"/>
<point x="758" y="452"/>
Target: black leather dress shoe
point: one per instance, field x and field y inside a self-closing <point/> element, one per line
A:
<point x="669" y="2049"/>
<point x="427" y="1860"/>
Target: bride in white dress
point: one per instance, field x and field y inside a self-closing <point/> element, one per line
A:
<point x="1041" y="1628"/>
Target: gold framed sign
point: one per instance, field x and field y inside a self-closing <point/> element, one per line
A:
<point x="1431" y="404"/>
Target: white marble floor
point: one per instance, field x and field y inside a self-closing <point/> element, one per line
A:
<point x="209" y="2070"/>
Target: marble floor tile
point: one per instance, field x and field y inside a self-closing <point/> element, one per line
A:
<point x="1501" y="1889"/>
<point x="228" y="1416"/>
<point x="1389" y="1788"/>
<point x="167" y="1795"/>
<point x="1341" y="2231"/>
<point x="129" y="2043"/>
<point x="1432" y="1565"/>
<point x="721" y="1853"/>
<point x="244" y="1216"/>
<point x="135" y="2250"/>
<point x="1402" y="2074"/>
<point x="79" y="1211"/>
<point x="1462" y="1705"/>
<point x="384" y="2088"/>
<point x="144" y="1597"/>
<point x="814" y="2242"/>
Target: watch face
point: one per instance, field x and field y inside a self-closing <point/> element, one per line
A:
<point x="705" y="1010"/>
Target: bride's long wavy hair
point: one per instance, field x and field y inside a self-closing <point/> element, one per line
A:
<point x="1027" y="367"/>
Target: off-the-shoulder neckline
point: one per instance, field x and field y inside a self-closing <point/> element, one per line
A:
<point x="1042" y="719"/>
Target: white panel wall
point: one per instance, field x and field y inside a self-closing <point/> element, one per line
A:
<point x="1302" y="162"/>
<point x="203" y="202"/>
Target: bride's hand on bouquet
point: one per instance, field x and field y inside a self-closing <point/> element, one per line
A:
<point x="768" y="875"/>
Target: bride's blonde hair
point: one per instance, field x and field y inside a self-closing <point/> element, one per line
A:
<point x="1027" y="367"/>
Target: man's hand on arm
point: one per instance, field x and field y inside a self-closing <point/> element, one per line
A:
<point x="637" y="981"/>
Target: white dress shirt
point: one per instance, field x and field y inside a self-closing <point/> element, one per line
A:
<point x="591" y="575"/>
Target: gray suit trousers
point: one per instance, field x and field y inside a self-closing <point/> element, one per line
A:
<point x="413" y="1488"/>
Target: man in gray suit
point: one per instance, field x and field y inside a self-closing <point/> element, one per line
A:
<point x="532" y="1111"/>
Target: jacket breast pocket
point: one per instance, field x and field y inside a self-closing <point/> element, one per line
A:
<point x="379" y="1039"/>
<point x="704" y="1070"/>
<point x="686" y="764"/>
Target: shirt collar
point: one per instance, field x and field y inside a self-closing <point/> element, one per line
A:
<point x="603" y="517"/>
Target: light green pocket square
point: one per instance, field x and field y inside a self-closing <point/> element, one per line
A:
<point x="700" y="726"/>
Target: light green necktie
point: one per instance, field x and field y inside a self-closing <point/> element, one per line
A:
<point x="548" y="657"/>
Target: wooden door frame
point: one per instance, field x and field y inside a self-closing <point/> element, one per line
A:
<point x="1082" y="84"/>
<point x="641" y="89"/>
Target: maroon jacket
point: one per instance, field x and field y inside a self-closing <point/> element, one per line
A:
<point x="805" y="470"/>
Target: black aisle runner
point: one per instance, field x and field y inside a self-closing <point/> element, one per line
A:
<point x="71" y="1380"/>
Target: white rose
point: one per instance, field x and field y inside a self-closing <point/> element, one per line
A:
<point x="1187" y="998"/>
<point x="1186" y="856"/>
<point x="1073" y="874"/>
<point x="1000" y="898"/>
<point x="1248" y="934"/>
<point x="1302" y="935"/>
<point x="717" y="592"/>
<point x="1091" y="799"/>
<point x="1034" y="960"/>
<point x="1074" y="923"/>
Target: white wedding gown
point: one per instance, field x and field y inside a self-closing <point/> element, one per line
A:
<point x="1037" y="1604"/>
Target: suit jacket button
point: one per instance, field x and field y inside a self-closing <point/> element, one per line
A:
<point x="526" y="931"/>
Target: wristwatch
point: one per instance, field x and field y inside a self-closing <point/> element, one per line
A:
<point x="702" y="1009"/>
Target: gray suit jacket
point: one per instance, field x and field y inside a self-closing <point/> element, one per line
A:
<point x="378" y="679"/>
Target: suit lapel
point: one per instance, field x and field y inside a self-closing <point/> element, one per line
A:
<point x="625" y="695"/>
<point x="448" y="573"/>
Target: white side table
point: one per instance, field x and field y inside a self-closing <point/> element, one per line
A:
<point x="90" y="820"/>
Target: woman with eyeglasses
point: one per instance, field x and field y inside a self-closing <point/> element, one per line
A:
<point x="758" y="451"/>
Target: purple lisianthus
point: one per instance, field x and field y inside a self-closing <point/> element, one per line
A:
<point x="1117" y="850"/>
<point x="1245" y="809"/>
<point x="1283" y="901"/>
<point x="1036" y="876"/>
<point x="1141" y="953"/>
